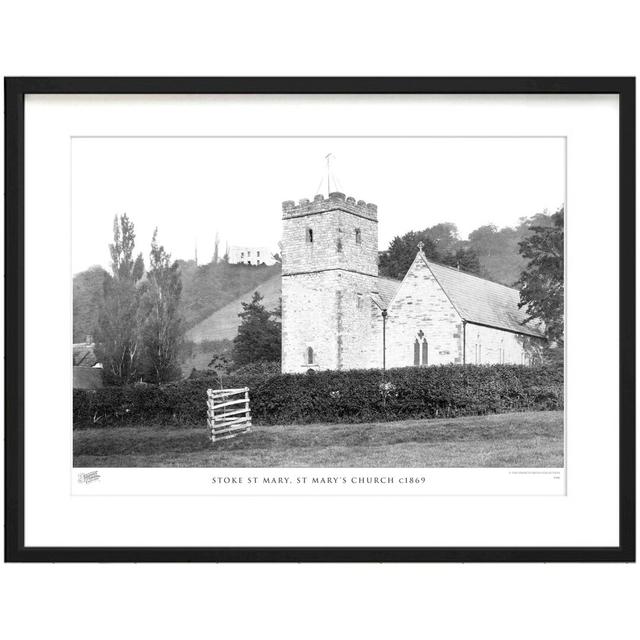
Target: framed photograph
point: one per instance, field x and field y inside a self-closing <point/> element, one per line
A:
<point x="320" y="319"/>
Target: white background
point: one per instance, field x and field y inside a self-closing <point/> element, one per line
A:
<point x="193" y="188"/>
<point x="463" y="38"/>
<point x="587" y="516"/>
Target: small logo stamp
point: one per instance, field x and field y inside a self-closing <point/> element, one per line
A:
<point x="86" y="478"/>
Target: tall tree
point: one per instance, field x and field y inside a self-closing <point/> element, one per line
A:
<point x="123" y="265"/>
<point x="88" y="292"/>
<point x="542" y="282"/>
<point x="464" y="258"/>
<point x="216" y="248"/>
<point x="498" y="250"/>
<point x="259" y="334"/>
<point x="161" y="324"/>
<point x="441" y="244"/>
<point x="117" y="336"/>
<point x="444" y="236"/>
<point x="395" y="262"/>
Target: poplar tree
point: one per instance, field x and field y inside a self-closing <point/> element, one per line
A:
<point x="117" y="335"/>
<point x="161" y="324"/>
<point x="216" y="249"/>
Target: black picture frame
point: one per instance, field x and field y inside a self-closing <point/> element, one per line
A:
<point x="15" y="91"/>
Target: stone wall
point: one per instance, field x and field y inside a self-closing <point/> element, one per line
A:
<point x="327" y="306"/>
<point x="359" y="323"/>
<point x="308" y="320"/>
<point x="486" y="345"/>
<point x="333" y="222"/>
<point x="326" y="283"/>
<point x="421" y="305"/>
<point x="331" y="312"/>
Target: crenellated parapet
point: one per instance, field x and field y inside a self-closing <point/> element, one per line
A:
<point x="335" y="201"/>
<point x="329" y="266"/>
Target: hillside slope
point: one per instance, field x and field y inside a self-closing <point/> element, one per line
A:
<point x="208" y="288"/>
<point x="224" y="323"/>
<point x="205" y="289"/>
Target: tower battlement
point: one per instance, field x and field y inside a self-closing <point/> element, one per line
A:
<point x="329" y="266"/>
<point x="336" y="200"/>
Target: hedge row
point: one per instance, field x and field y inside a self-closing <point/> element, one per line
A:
<point x="333" y="396"/>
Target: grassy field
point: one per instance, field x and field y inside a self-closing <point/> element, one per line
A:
<point x="532" y="439"/>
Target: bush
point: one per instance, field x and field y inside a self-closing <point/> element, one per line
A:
<point x="333" y="396"/>
<point x="263" y="367"/>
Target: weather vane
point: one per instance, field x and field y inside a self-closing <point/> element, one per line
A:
<point x="328" y="159"/>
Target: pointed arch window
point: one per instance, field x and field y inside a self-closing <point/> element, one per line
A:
<point x="358" y="236"/>
<point x="420" y="350"/>
<point x="309" y="234"/>
<point x="425" y="352"/>
<point x="310" y="355"/>
<point x="478" y="350"/>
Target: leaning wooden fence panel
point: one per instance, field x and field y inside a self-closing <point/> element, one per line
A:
<point x="227" y="413"/>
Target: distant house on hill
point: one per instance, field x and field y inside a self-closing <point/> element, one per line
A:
<point x="87" y="371"/>
<point x="250" y="255"/>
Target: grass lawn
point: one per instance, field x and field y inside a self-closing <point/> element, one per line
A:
<point x="533" y="439"/>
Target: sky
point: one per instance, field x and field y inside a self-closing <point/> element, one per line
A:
<point x="193" y="188"/>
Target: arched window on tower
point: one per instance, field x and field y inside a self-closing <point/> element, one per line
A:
<point x="358" y="236"/>
<point x="309" y="235"/>
<point x="309" y="355"/>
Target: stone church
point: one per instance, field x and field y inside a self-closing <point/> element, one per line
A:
<point x="338" y="313"/>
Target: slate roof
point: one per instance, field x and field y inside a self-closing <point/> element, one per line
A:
<point x="387" y="290"/>
<point x="481" y="301"/>
<point x="477" y="300"/>
<point x="83" y="355"/>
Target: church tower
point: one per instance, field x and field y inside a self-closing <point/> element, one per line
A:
<point x="329" y="268"/>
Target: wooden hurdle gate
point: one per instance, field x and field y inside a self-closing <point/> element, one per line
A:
<point x="228" y="414"/>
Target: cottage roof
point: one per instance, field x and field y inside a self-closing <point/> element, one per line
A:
<point x="83" y="354"/>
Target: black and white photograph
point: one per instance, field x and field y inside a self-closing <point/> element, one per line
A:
<point x="320" y="320"/>
<point x="375" y="302"/>
<point x="363" y="311"/>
